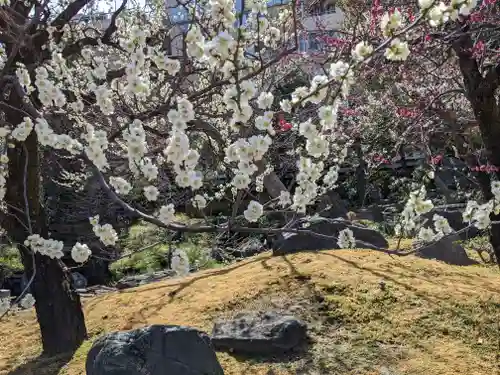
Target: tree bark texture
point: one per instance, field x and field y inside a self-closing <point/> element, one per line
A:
<point x="481" y="93"/>
<point x="58" y="308"/>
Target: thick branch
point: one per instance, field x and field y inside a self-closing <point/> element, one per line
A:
<point x="67" y="14"/>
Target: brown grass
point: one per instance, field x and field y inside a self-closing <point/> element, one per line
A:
<point x="430" y="318"/>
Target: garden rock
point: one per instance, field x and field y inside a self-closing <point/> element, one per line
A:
<point x="366" y="238"/>
<point x="446" y="250"/>
<point x="373" y="213"/>
<point x="332" y="206"/>
<point x="261" y="333"/>
<point x="154" y="350"/>
<point x="137" y="280"/>
<point x="79" y="281"/>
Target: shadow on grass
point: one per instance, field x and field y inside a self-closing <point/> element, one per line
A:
<point x="43" y="365"/>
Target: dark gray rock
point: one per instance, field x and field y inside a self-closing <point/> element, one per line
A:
<point x="153" y="350"/>
<point x="79" y="281"/>
<point x="455" y="220"/>
<point x="332" y="206"/>
<point x="288" y="243"/>
<point x="137" y="280"/>
<point x="372" y="213"/>
<point x="262" y="333"/>
<point x="446" y="250"/>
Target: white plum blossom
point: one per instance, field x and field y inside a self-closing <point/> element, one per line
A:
<point x="121" y="186"/>
<point x="390" y="22"/>
<point x="438" y="14"/>
<point x="286" y="105"/>
<point x="346" y="239"/>
<point x="253" y="212"/>
<point x="180" y="262"/>
<point x="80" y="252"/>
<point x="362" y="50"/>
<point x="467" y="6"/>
<point x="106" y="233"/>
<point x="28" y="301"/>
<point x="241" y="181"/>
<point x="265" y="100"/>
<point x="426" y="235"/>
<point x="398" y="50"/>
<point x="149" y="170"/>
<point x="441" y="224"/>
<point x="23" y="130"/>
<point x="151" y="193"/>
<point x="167" y="214"/>
<point x="308" y="130"/>
<point x="199" y="202"/>
<point x="265" y="122"/>
<point x="284" y="198"/>
<point x="339" y="70"/>
<point x="495" y="189"/>
<point x="425" y="4"/>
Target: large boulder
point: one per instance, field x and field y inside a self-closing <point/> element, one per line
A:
<point x="447" y="250"/>
<point x="153" y="350"/>
<point x="261" y="333"/>
<point x="288" y="243"/>
<point x="372" y="213"/>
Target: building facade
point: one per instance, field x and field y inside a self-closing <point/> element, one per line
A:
<point x="317" y="19"/>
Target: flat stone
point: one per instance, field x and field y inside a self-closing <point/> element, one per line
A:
<point x="261" y="333"/>
<point x="366" y="238"/>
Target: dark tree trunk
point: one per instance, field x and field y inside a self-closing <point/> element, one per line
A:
<point x="361" y="180"/>
<point x="58" y="306"/>
<point x="481" y="94"/>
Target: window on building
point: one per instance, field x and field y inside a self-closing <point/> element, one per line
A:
<point x="272" y="3"/>
<point x="322" y="7"/>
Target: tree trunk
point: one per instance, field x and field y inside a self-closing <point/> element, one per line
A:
<point x="361" y="180"/>
<point x="58" y="306"/>
<point x="481" y="94"/>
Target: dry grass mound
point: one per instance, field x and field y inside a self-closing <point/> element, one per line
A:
<point x="367" y="313"/>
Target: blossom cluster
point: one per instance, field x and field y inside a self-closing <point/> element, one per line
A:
<point x="390" y="23"/>
<point x="474" y="214"/>
<point x="51" y="248"/>
<point x="346" y="239"/>
<point x="105" y="232"/>
<point x="97" y="143"/>
<point x="479" y="214"/>
<point x="440" y="13"/>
